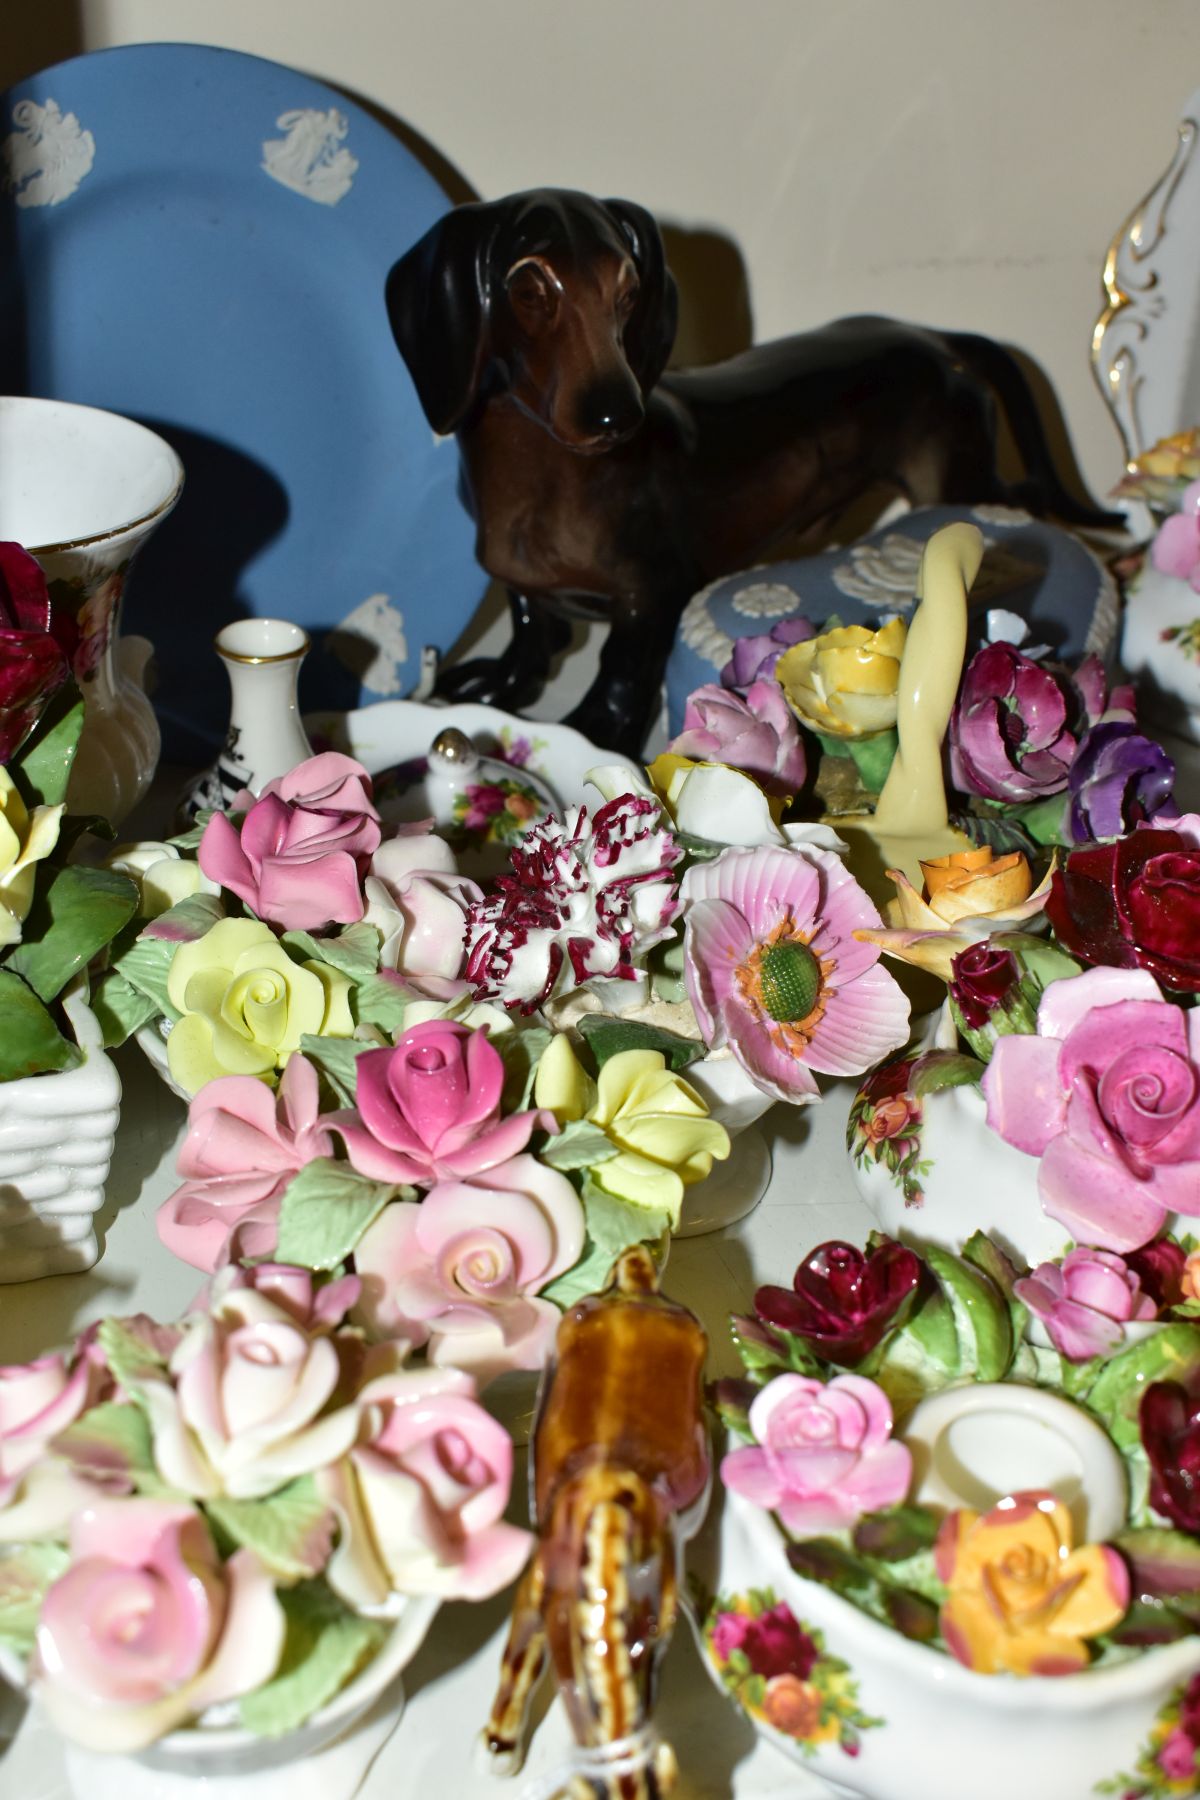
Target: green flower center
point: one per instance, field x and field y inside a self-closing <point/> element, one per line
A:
<point x="790" y="981"/>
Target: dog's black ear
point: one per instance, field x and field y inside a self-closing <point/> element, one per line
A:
<point x="650" y="332"/>
<point x="438" y="300"/>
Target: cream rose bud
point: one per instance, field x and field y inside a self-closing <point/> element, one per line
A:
<point x="421" y="1499"/>
<point x="147" y="1627"/>
<point x="25" y="838"/>
<point x="250" y="1405"/>
<point x="161" y="875"/>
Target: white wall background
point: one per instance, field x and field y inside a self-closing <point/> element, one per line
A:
<point x="952" y="161"/>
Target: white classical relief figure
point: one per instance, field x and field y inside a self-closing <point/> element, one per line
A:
<point x="370" y="641"/>
<point x="311" y="159"/>
<point x="48" y="154"/>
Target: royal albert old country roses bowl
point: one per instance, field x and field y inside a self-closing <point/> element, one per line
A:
<point x="874" y="1714"/>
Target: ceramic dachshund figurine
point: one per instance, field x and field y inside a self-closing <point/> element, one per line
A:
<point x="538" y="328"/>
<point x="620" y="1480"/>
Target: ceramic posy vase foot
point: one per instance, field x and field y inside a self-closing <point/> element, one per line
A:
<point x="82" y="490"/>
<point x="266" y="735"/>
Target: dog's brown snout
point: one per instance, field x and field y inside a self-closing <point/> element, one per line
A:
<point x="609" y="411"/>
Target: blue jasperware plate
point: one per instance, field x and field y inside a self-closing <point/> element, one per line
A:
<point x="200" y="240"/>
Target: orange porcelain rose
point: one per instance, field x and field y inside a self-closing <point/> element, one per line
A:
<point x="1020" y="1599"/>
<point x="971" y="882"/>
<point x="964" y="897"/>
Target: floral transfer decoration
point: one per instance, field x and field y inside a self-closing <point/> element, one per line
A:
<point x="778" y="1670"/>
<point x="1168" y="1765"/>
<point x="884" y="1126"/>
<point x="1186" y="638"/>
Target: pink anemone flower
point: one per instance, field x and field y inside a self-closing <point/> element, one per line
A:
<point x="773" y="968"/>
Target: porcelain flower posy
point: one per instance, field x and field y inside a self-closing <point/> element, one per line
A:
<point x="774" y="968"/>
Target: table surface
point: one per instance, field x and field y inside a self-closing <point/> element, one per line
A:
<point x="449" y="1683"/>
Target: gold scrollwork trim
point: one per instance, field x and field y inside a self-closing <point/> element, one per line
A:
<point x="1132" y="301"/>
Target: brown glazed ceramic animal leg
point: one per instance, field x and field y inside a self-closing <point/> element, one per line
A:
<point x="517" y="676"/>
<point x="620" y="706"/>
<point x="520" y="1671"/>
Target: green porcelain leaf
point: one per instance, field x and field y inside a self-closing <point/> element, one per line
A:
<point x="25" y="1574"/>
<point x="74" y="915"/>
<point x="324" y="1211"/>
<point x="606" y="1037"/>
<point x="1172" y="1354"/>
<point x="121" y="1008"/>
<point x="982" y="1319"/>
<point x="380" y="999"/>
<point x="578" y="1146"/>
<point x="31" y="1043"/>
<point x="520" y="1050"/>
<point x="291" y="1531"/>
<point x="335" y="1059"/>
<point x="43" y="767"/>
<point x="325" y="1646"/>
<point x="146" y="963"/>
<point x="353" y="951"/>
<point x="113" y="1438"/>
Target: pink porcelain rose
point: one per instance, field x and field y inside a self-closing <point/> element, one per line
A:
<point x="824" y="1453"/>
<point x="418" y="903"/>
<point x="460" y="1271"/>
<point x="1107" y="1096"/>
<point x="148" y="1627"/>
<point x="243" y="1145"/>
<point x="38" y="1490"/>
<point x="429" y="1110"/>
<point x="254" y="1401"/>
<point x="316" y="1306"/>
<point x="756" y="733"/>
<point x="301" y="852"/>
<point x="421" y="1499"/>
<point x="1086" y="1303"/>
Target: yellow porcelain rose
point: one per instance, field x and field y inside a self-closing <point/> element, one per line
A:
<point x="25" y="838"/>
<point x="245" y="1004"/>
<point x="1020" y="1598"/>
<point x="665" y="1139"/>
<point x="843" y="683"/>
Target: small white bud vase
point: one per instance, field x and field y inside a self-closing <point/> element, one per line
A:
<point x="56" y="1144"/>
<point x="266" y="735"/>
<point x="82" y="490"/>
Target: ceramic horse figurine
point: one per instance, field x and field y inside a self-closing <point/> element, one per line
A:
<point x="620" y="1479"/>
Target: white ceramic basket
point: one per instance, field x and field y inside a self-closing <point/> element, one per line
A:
<point x="56" y="1144"/>
<point x="911" y="1723"/>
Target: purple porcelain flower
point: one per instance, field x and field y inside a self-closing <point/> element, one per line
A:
<point x="774" y="970"/>
<point x="754" y="658"/>
<point x="843" y="1300"/>
<point x="1086" y="1303"/>
<point x="824" y="1453"/>
<point x="1107" y="1096"/>
<point x="1014" y="729"/>
<point x="1119" y="779"/>
<point x="755" y="733"/>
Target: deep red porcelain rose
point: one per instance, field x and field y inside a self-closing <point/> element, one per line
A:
<point x="843" y="1300"/>
<point x="32" y="663"/>
<point x="983" y="979"/>
<point x="1134" y="904"/>
<point x="1170" y="1426"/>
